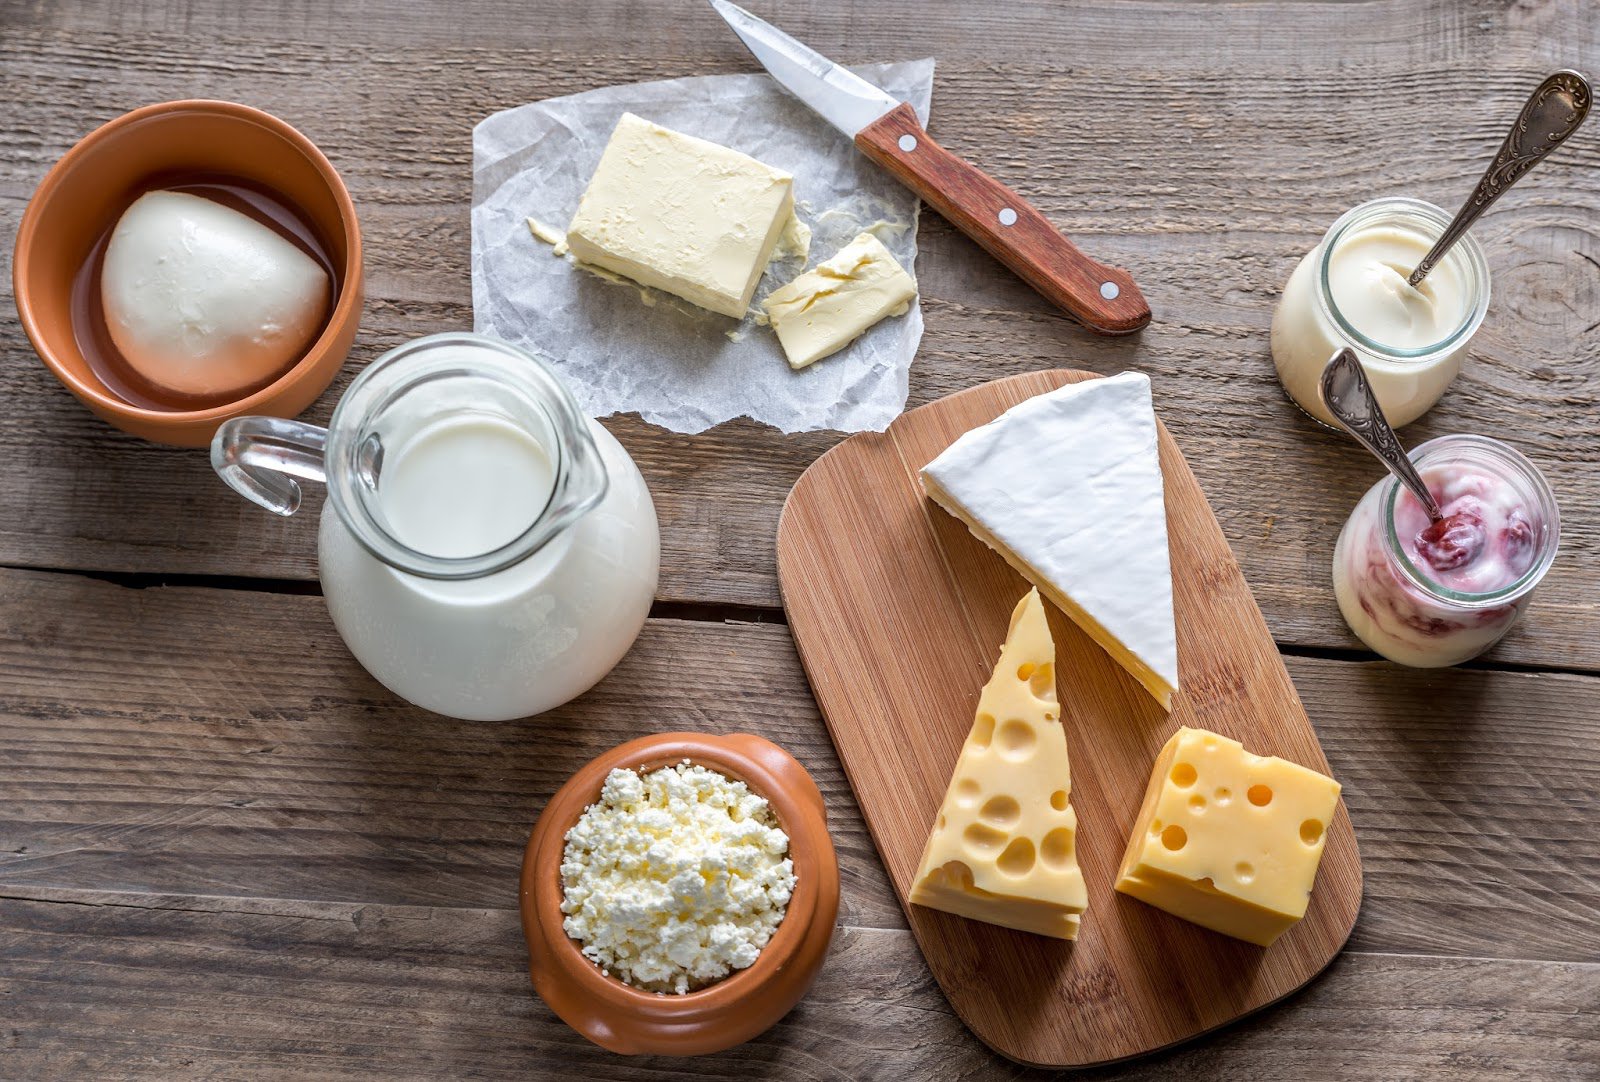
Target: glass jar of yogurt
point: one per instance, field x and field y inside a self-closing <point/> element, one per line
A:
<point x="1351" y="290"/>
<point x="1435" y="594"/>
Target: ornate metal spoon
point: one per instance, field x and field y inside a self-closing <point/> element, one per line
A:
<point x="1553" y="112"/>
<point x="1349" y="398"/>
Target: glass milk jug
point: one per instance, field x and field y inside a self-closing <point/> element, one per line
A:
<point x="486" y="551"/>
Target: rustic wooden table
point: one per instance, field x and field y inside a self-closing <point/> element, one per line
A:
<point x="226" y="852"/>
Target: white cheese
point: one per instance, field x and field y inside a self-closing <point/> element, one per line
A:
<point x="203" y="300"/>
<point x="675" y="878"/>
<point x="1067" y="487"/>
<point x="683" y="215"/>
<point x="830" y="306"/>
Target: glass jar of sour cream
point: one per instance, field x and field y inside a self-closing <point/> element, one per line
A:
<point x="1351" y="290"/>
<point x="1435" y="594"/>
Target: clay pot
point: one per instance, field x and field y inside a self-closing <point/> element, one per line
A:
<point x="84" y="195"/>
<point x="742" y="1005"/>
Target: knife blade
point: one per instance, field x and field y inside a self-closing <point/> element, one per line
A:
<point x="1103" y="298"/>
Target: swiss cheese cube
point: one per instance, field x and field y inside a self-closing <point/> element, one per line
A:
<point x="1228" y="840"/>
<point x="682" y="214"/>
<point x="1003" y="849"/>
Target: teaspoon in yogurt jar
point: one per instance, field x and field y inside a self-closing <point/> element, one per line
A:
<point x="1401" y="282"/>
<point x="1430" y="592"/>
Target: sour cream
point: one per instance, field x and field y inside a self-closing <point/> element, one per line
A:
<point x="204" y="301"/>
<point x="1352" y="290"/>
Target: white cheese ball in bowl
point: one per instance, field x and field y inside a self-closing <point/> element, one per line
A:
<point x="204" y="301"/>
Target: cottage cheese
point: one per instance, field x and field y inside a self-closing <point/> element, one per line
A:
<point x="675" y="878"/>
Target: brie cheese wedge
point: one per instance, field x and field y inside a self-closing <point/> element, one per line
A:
<point x="1067" y="487"/>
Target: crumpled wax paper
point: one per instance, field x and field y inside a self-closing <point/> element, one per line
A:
<point x="622" y="348"/>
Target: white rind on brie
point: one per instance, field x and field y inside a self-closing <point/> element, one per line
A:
<point x="1067" y="487"/>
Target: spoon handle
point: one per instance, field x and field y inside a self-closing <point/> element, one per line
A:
<point x="1553" y="112"/>
<point x="1349" y="398"/>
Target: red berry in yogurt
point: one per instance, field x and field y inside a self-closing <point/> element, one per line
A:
<point x="1484" y="542"/>
<point x="1437" y="593"/>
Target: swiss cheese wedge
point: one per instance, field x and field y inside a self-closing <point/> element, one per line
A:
<point x="1067" y="487"/>
<point x="1003" y="847"/>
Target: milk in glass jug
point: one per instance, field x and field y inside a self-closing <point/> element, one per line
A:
<point x="486" y="551"/>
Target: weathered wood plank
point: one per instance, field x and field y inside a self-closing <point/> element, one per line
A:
<point x="177" y="988"/>
<point x="1210" y="245"/>
<point x="222" y="742"/>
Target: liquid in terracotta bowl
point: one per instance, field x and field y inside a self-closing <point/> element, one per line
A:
<point x="231" y="154"/>
<point x="625" y="1019"/>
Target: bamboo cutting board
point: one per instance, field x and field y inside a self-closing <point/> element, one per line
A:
<point x="898" y="614"/>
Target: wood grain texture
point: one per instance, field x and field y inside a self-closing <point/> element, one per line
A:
<point x="244" y="859"/>
<point x="273" y="767"/>
<point x="896" y="609"/>
<point x="256" y="823"/>
<point x="1005" y="225"/>
<point x="177" y="987"/>
<point x="1207" y="178"/>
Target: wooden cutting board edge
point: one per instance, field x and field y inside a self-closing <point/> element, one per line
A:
<point x="872" y="829"/>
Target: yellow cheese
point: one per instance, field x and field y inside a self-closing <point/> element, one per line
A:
<point x="548" y="234"/>
<point x="682" y="215"/>
<point x="1228" y="840"/>
<point x="1003" y="848"/>
<point x="836" y="302"/>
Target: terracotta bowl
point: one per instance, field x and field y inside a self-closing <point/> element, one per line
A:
<point x="85" y="193"/>
<point x="624" y="1019"/>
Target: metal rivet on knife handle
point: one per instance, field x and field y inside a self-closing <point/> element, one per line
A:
<point x="1104" y="299"/>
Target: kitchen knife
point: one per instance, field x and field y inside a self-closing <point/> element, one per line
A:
<point x="1104" y="299"/>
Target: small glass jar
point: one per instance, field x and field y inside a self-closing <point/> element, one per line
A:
<point x="1309" y="326"/>
<point x="1395" y="601"/>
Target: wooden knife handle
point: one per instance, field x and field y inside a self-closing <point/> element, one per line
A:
<point x="1104" y="299"/>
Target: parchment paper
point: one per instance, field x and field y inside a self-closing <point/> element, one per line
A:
<point x="621" y="348"/>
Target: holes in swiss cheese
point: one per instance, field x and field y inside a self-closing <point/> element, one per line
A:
<point x="957" y="873"/>
<point x="1174" y="837"/>
<point x="1058" y="800"/>
<point x="1311" y="831"/>
<point x="1184" y="775"/>
<point x="1056" y="848"/>
<point x="1043" y="682"/>
<point x="982" y="731"/>
<point x="1260" y="795"/>
<point x="1001" y="811"/>
<point x="1015" y="739"/>
<point x="1018" y="858"/>
<point x="967" y="792"/>
<point x="984" y="839"/>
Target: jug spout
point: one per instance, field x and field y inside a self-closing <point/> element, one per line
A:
<point x="260" y="457"/>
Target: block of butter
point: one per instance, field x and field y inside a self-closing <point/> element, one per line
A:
<point x="682" y="215"/>
<point x="1228" y="840"/>
<point x="1004" y="846"/>
<point x="834" y="303"/>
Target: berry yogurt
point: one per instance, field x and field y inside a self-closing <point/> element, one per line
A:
<point x="1430" y="594"/>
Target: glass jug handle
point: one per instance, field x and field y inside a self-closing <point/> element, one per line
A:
<point x="260" y="457"/>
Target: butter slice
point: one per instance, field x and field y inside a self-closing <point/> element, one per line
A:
<point x="681" y="214"/>
<point x="1003" y="849"/>
<point x="1228" y="840"/>
<point x="834" y="303"/>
